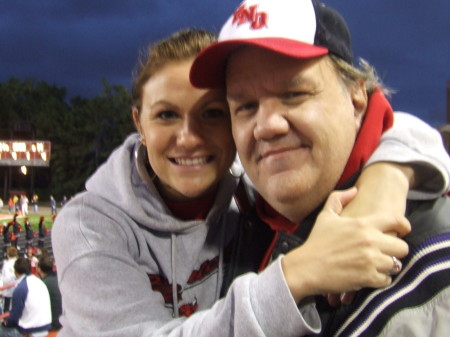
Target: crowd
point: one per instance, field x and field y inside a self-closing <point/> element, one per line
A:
<point x="31" y="299"/>
<point x="12" y="232"/>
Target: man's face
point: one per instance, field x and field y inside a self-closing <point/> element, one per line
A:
<point x="294" y="123"/>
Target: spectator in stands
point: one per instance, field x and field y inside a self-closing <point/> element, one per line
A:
<point x="29" y="234"/>
<point x="8" y="276"/>
<point x="6" y="237"/>
<point x="30" y="314"/>
<point x="42" y="231"/>
<point x="31" y="255"/>
<point x="17" y="228"/>
<point x="46" y="269"/>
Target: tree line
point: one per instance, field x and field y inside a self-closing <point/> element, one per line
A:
<point x="83" y="132"/>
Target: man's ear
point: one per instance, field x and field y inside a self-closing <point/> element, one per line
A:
<point x="137" y="124"/>
<point x="359" y="100"/>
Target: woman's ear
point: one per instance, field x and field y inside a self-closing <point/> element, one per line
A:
<point x="137" y="124"/>
<point x="359" y="100"/>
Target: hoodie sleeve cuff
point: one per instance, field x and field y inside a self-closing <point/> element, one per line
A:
<point x="280" y="312"/>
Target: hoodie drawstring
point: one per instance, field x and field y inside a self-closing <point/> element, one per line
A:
<point x="174" y="277"/>
<point x="221" y="250"/>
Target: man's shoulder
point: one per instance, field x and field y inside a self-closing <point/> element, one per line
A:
<point x="50" y="279"/>
<point x="21" y="287"/>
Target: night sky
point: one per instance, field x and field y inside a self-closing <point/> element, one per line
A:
<point x="75" y="44"/>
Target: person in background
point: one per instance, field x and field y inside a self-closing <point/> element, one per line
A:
<point x="46" y="269"/>
<point x="159" y="216"/>
<point x="31" y="255"/>
<point x="42" y="232"/>
<point x="34" y="203"/>
<point x="30" y="313"/>
<point x="63" y="201"/>
<point x="29" y="234"/>
<point x="24" y="204"/>
<point x="1" y="204"/>
<point x="16" y="203"/>
<point x="305" y="120"/>
<point x="10" y="205"/>
<point x="6" y="237"/>
<point x="16" y="230"/>
<point x="53" y="205"/>
<point x="8" y="276"/>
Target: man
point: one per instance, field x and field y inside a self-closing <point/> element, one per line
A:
<point x="305" y="120"/>
<point x="30" y="314"/>
<point x="48" y="275"/>
<point x="42" y="232"/>
<point x="53" y="205"/>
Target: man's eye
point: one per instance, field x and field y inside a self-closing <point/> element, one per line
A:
<point x="166" y="115"/>
<point x="245" y="108"/>
<point x="293" y="94"/>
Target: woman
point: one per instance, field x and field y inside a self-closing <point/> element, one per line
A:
<point x="147" y="242"/>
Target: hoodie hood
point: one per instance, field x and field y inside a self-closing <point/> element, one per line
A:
<point x="139" y="197"/>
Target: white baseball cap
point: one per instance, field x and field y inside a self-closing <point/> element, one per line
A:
<point x="295" y="28"/>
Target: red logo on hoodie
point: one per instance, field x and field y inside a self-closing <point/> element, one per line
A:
<point x="162" y="285"/>
<point x="256" y="19"/>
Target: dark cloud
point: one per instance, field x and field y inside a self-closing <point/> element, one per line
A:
<point x="75" y="44"/>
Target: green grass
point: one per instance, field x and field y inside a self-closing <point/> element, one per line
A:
<point x="34" y="219"/>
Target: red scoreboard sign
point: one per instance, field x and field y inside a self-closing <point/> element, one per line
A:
<point x="24" y="153"/>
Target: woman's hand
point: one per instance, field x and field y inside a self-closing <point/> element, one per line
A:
<point x="344" y="254"/>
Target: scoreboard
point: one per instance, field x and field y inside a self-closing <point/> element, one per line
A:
<point x="25" y="153"/>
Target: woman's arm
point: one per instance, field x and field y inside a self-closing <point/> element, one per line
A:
<point x="416" y="144"/>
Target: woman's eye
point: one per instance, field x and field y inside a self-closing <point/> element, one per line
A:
<point x="214" y="113"/>
<point x="166" y="115"/>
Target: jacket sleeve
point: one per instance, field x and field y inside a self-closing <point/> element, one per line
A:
<point x="429" y="319"/>
<point x="414" y="142"/>
<point x="18" y="304"/>
<point x="105" y="292"/>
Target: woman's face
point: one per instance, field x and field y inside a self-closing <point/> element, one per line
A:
<point x="187" y="133"/>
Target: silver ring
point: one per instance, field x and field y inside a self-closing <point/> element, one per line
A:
<point x="396" y="268"/>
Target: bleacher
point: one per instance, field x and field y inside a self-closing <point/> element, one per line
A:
<point x="21" y="245"/>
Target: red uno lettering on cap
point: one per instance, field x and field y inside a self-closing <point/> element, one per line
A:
<point x="257" y="19"/>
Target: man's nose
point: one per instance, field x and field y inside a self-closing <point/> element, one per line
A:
<point x="270" y="120"/>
